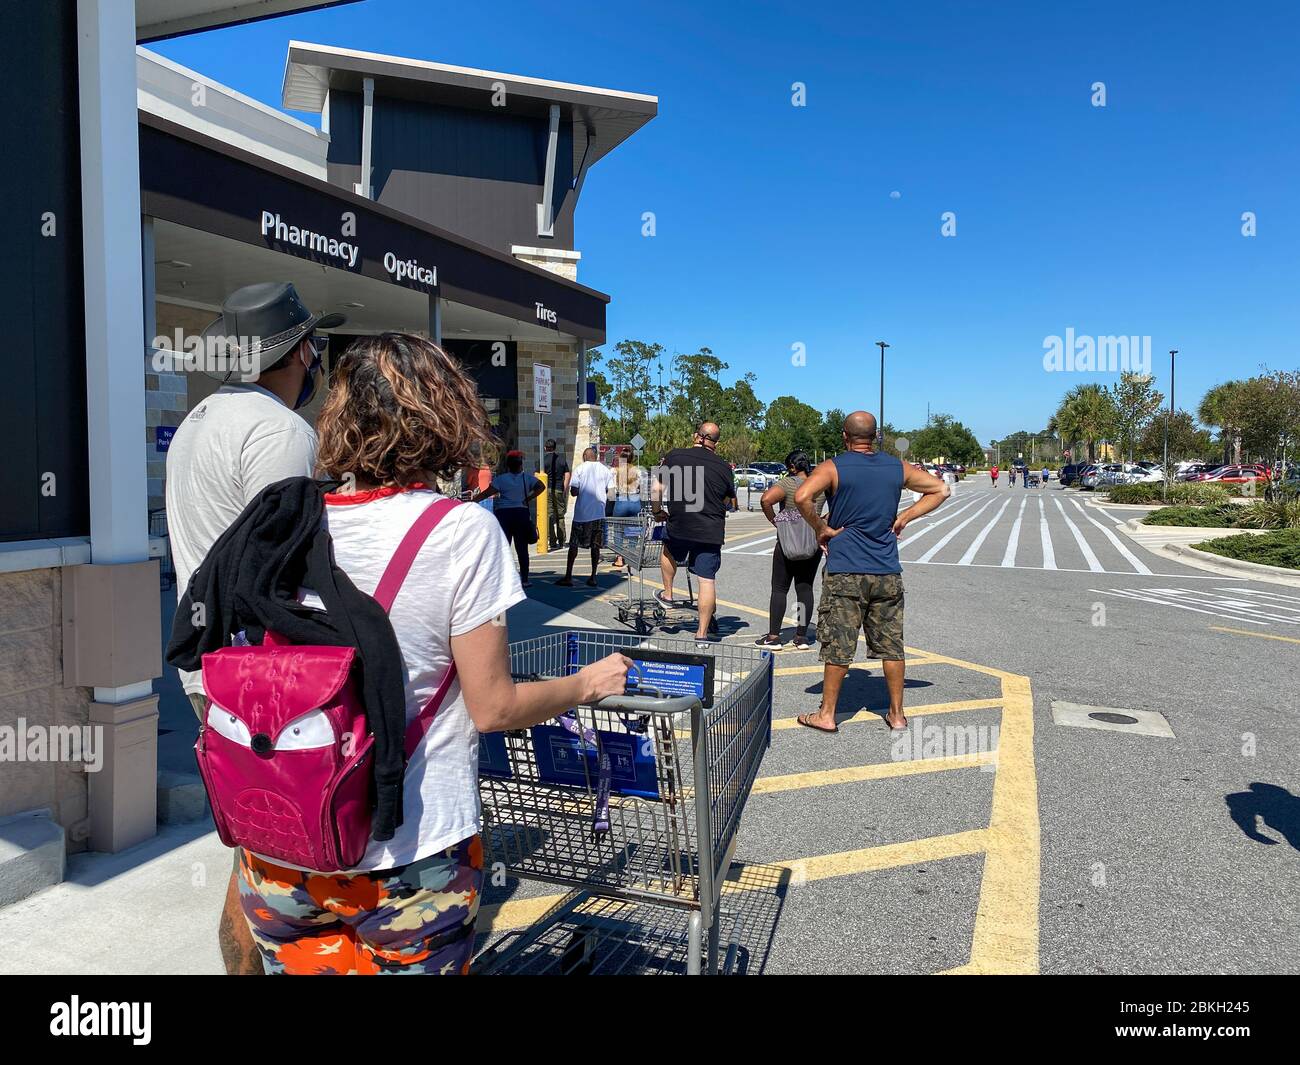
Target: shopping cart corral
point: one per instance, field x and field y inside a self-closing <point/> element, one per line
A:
<point x="639" y="542"/>
<point x="637" y="800"/>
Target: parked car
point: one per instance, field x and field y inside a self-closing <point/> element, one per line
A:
<point x="754" y="479"/>
<point x="1088" y="476"/>
<point x="1237" y="475"/>
<point x="1190" y="471"/>
<point x="1070" y="473"/>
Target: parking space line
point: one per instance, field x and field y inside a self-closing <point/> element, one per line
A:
<point x="820" y="778"/>
<point x="1257" y="635"/>
<point x="520" y="913"/>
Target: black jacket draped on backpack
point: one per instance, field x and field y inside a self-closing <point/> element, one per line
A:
<point x="249" y="581"/>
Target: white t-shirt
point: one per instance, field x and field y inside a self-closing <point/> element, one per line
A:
<point x="462" y="577"/>
<point x="228" y="448"/>
<point x="592" y="480"/>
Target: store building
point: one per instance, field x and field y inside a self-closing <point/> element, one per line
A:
<point x="433" y="198"/>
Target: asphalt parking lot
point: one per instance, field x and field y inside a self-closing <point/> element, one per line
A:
<point x="1014" y="843"/>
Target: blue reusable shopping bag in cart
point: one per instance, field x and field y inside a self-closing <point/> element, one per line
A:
<point x="566" y="759"/>
<point x="493" y="759"/>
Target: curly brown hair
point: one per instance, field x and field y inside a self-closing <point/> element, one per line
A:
<point x="400" y="410"/>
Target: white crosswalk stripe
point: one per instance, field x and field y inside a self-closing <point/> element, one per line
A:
<point x="1089" y="557"/>
<point x="1013" y="541"/>
<point x="1134" y="561"/>
<point x="1265" y="612"/>
<point x="943" y="540"/>
<point x="983" y="535"/>
<point x="1049" y="556"/>
<point x="989" y="527"/>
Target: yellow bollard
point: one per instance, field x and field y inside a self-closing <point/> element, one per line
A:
<point x="543" y="526"/>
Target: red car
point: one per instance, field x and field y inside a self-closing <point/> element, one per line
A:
<point x="1235" y="474"/>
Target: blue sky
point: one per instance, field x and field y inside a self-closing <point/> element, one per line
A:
<point x="776" y="225"/>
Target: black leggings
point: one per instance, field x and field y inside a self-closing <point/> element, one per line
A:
<point x="516" y="523"/>
<point x="802" y="572"/>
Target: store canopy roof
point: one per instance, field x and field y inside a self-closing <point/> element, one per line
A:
<point x="608" y="116"/>
<point x="158" y="19"/>
<point x="203" y="184"/>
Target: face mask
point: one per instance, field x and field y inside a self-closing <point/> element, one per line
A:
<point x="309" y="385"/>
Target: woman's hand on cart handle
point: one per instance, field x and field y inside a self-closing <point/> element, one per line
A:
<point x="606" y="677"/>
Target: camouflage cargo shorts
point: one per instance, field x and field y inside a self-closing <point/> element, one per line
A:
<point x="870" y="603"/>
<point x="418" y="918"/>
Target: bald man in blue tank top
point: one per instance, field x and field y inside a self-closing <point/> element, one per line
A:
<point x="862" y="585"/>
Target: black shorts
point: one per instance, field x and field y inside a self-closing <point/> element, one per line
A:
<point x="588" y="533"/>
<point x="704" y="560"/>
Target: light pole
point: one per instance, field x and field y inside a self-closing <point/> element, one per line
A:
<point x="1169" y="414"/>
<point x="880" y="427"/>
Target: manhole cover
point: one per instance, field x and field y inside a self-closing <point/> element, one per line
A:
<point x="1115" y="719"/>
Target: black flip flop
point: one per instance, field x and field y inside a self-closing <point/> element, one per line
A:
<point x="815" y="728"/>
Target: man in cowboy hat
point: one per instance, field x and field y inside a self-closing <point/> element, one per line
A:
<point x="264" y="350"/>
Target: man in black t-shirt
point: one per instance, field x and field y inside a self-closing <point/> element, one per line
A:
<point x="695" y="488"/>
<point x="556" y="468"/>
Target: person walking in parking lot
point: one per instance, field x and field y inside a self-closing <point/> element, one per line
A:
<point x="235" y="443"/>
<point x="695" y="488"/>
<point x="862" y="590"/>
<point x="993" y="472"/>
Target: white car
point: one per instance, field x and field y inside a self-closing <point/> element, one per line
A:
<point x="754" y="479"/>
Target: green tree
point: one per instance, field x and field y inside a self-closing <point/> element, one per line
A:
<point x="1136" y="402"/>
<point x="662" y="433"/>
<point x="1087" y="413"/>
<point x="1186" y="439"/>
<point x="790" y="423"/>
<point x="738" y="444"/>
<point x="1220" y="408"/>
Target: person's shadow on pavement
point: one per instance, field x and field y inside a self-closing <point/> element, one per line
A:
<point x="1276" y="807"/>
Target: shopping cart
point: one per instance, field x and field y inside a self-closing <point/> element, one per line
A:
<point x="639" y="541"/>
<point x="636" y="800"/>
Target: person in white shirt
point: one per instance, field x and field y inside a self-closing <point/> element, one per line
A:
<point x="590" y="485"/>
<point x="233" y="444"/>
<point x="400" y="414"/>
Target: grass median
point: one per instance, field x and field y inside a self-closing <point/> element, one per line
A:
<point x="1280" y="547"/>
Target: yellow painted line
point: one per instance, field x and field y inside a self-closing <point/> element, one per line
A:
<point x="875" y="771"/>
<point x="768" y="876"/>
<point x="781" y="724"/>
<point x="765" y="529"/>
<point x="873" y="859"/>
<point x="514" y="913"/>
<point x="1247" y="632"/>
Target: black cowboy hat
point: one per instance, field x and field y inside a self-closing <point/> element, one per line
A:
<point x="259" y="325"/>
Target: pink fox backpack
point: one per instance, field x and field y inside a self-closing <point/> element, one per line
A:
<point x="286" y="751"/>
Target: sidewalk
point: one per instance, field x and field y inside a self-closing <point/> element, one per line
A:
<point x="154" y="908"/>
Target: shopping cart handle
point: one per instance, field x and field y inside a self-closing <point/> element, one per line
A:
<point x="645" y="704"/>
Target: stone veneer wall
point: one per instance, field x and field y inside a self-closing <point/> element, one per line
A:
<point x="31" y="689"/>
<point x="562" y="422"/>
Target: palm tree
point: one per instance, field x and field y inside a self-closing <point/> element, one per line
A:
<point x="1217" y="409"/>
<point x="1086" y="413"/>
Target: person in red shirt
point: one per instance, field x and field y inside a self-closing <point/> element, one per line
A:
<point x="993" y="472"/>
